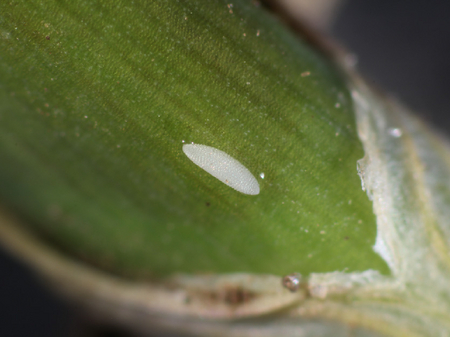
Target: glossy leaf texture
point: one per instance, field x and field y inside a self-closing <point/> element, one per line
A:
<point x="98" y="98"/>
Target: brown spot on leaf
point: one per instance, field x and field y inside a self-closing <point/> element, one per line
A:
<point x="232" y="296"/>
<point x="235" y="296"/>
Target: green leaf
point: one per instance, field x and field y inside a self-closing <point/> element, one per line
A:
<point x="96" y="102"/>
<point x="97" y="99"/>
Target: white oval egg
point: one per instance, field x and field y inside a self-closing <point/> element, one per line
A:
<point x="223" y="167"/>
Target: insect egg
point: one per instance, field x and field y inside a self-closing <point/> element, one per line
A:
<point x="223" y="167"/>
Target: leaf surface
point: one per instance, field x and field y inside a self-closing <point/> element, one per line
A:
<point x="97" y="99"/>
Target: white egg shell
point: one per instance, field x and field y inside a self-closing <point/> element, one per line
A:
<point x="223" y="167"/>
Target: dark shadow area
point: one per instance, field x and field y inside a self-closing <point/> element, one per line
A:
<point x="27" y="307"/>
<point x="402" y="47"/>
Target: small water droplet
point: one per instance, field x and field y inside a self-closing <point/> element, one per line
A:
<point x="395" y="132"/>
<point x="261" y="175"/>
<point x="292" y="281"/>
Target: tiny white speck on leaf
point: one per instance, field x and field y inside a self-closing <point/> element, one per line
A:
<point x="395" y="132"/>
